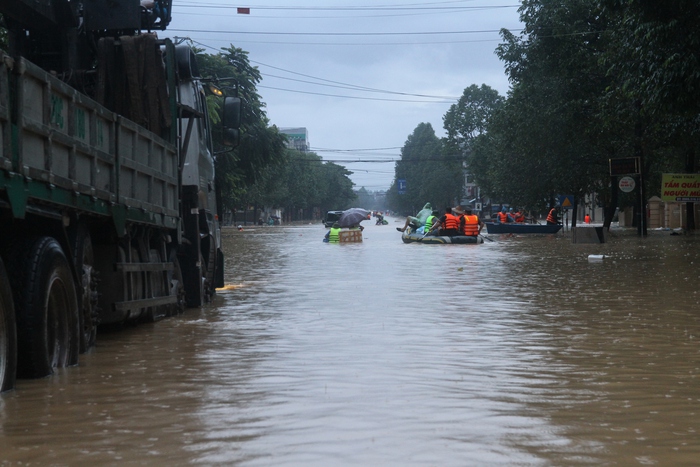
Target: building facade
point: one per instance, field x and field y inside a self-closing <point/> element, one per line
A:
<point x="297" y="138"/>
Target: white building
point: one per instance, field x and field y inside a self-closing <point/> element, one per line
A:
<point x="297" y="138"/>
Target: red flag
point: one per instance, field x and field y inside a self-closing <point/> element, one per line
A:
<point x="243" y="11"/>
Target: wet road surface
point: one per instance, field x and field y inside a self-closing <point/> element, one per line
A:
<point x="518" y="351"/>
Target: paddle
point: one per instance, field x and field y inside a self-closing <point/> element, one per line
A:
<point x="487" y="238"/>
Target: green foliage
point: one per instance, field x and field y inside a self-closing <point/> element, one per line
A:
<point x="591" y="80"/>
<point x="261" y="169"/>
<point x="301" y="180"/>
<point x="3" y="34"/>
<point x="430" y="174"/>
<point x="261" y="145"/>
<point x="469" y="118"/>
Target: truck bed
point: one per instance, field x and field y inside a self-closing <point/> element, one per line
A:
<point x="68" y="151"/>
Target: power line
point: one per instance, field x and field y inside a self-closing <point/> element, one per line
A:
<point x="413" y="7"/>
<point x="327" y="34"/>
<point x="355" y="97"/>
<point x="361" y="88"/>
<point x="447" y="100"/>
<point x="354" y="150"/>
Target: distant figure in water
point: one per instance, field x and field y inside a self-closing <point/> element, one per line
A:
<point x="240" y="227"/>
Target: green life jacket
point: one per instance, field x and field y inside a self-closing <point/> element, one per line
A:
<point x="333" y="236"/>
<point x="429" y="222"/>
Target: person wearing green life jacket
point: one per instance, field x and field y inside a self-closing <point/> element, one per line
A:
<point x="432" y="219"/>
<point x="333" y="235"/>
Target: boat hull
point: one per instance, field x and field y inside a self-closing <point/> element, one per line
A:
<point x="514" y="228"/>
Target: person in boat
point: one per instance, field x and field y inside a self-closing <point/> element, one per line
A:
<point x="552" y="218"/>
<point x="333" y="235"/>
<point x="447" y="225"/>
<point x="519" y="217"/>
<point x="502" y="217"/>
<point x="469" y="223"/>
<point x="419" y="220"/>
<point x="432" y="219"/>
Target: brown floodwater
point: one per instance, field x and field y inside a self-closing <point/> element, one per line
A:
<point x="519" y="351"/>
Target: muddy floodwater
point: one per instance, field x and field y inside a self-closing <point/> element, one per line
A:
<point x="518" y="351"/>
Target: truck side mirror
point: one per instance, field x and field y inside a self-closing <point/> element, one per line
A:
<point x="232" y="121"/>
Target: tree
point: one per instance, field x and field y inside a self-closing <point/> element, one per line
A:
<point x="469" y="117"/>
<point x="430" y="174"/>
<point x="656" y="59"/>
<point x="546" y="139"/>
<point x="302" y="182"/>
<point x="261" y="145"/>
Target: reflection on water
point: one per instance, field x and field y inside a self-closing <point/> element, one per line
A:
<point x="518" y="351"/>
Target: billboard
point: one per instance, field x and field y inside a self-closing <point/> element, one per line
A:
<point x="680" y="187"/>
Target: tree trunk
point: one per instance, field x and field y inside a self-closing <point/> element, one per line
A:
<point x="690" y="207"/>
<point x="610" y="208"/>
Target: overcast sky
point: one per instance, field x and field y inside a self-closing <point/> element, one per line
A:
<point x="359" y="76"/>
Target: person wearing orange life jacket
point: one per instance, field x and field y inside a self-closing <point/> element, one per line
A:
<point x="448" y="224"/>
<point x="587" y="218"/>
<point x="519" y="217"/>
<point x="470" y="224"/>
<point x="502" y="217"/>
<point x="552" y="217"/>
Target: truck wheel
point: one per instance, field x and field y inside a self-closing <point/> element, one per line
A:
<point x="85" y="266"/>
<point x="8" y="336"/>
<point x="47" y="311"/>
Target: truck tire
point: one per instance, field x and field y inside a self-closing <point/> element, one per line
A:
<point x="84" y="260"/>
<point x="8" y="334"/>
<point x="48" y="332"/>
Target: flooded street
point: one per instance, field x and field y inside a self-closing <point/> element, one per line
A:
<point x="518" y="351"/>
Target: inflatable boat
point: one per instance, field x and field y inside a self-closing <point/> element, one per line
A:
<point x="413" y="237"/>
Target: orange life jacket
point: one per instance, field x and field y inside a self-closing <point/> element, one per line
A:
<point x="451" y="222"/>
<point x="519" y="217"/>
<point x="502" y="217"/>
<point x="551" y="217"/>
<point x="471" y="225"/>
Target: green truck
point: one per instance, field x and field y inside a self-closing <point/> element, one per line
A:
<point x="108" y="209"/>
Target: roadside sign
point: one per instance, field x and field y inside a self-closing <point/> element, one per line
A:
<point x="627" y="184"/>
<point x="401" y="185"/>
<point x="566" y="201"/>
<point x="680" y="187"/>
<point x="624" y="166"/>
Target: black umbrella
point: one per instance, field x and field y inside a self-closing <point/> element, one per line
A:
<point x="352" y="217"/>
